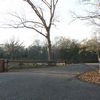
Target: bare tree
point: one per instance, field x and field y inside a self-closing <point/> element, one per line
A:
<point x="93" y="16"/>
<point x="42" y="24"/>
<point x="13" y="47"/>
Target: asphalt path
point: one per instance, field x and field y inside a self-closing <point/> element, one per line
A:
<point x="55" y="83"/>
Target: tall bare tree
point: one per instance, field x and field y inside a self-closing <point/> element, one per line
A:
<point x="44" y="22"/>
<point x="93" y="16"/>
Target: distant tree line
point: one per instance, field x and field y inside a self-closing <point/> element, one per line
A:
<point x="64" y="49"/>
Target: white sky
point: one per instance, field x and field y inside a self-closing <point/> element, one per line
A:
<point x="76" y="30"/>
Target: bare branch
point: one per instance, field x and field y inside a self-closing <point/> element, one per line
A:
<point x="47" y="4"/>
<point x="56" y="2"/>
<point x="92" y="15"/>
<point x="95" y="23"/>
<point x="37" y="12"/>
<point x="23" y="24"/>
<point x="88" y="17"/>
<point x="36" y="24"/>
<point x="35" y="30"/>
<point x="24" y="21"/>
<point x="11" y="26"/>
<point x="52" y="11"/>
<point x="41" y="11"/>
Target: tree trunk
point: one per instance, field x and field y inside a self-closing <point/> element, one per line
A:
<point x="98" y="61"/>
<point x="49" y="48"/>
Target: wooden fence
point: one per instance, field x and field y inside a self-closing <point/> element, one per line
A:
<point x="4" y="63"/>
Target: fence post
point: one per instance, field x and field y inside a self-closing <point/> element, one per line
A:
<point x="2" y="65"/>
<point x="6" y="65"/>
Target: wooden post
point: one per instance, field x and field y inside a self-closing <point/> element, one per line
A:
<point x="6" y="65"/>
<point x="2" y="69"/>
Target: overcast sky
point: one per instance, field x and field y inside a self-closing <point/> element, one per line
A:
<point x="76" y="30"/>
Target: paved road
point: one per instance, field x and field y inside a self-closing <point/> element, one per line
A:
<point x="48" y="84"/>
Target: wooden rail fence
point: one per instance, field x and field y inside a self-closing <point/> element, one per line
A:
<point x="4" y="63"/>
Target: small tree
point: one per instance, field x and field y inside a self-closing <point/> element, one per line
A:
<point x="13" y="49"/>
<point x="44" y="23"/>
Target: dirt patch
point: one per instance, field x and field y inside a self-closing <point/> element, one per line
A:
<point x="91" y="77"/>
